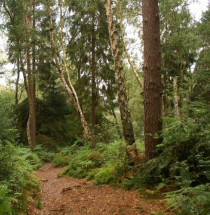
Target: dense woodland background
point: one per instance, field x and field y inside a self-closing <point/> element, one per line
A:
<point x="81" y="98"/>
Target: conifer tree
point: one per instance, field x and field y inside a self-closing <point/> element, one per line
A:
<point x="152" y="76"/>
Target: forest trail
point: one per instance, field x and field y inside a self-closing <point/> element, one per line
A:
<point x="70" y="196"/>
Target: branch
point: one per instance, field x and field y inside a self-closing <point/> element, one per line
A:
<point x="126" y="52"/>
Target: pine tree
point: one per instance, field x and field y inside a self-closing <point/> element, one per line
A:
<point x="152" y="76"/>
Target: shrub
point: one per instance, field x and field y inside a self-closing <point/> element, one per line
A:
<point x="81" y="164"/>
<point x="60" y="160"/>
<point x="105" y="164"/>
<point x="44" y="154"/>
<point x="27" y="155"/>
<point x="105" y="176"/>
<point x="15" y="177"/>
<point x="182" y="164"/>
<point x="5" y="200"/>
<point x="191" y="200"/>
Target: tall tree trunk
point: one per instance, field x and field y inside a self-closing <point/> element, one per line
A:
<point x="176" y="97"/>
<point x="122" y="97"/>
<point x="165" y="111"/>
<point x="17" y="81"/>
<point x="67" y="83"/>
<point x="181" y="80"/>
<point x="93" y="79"/>
<point x="31" y="123"/>
<point x="34" y="50"/>
<point x="152" y="76"/>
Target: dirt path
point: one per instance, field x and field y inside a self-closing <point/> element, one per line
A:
<point x="69" y="196"/>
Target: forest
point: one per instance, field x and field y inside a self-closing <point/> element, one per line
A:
<point x="106" y="109"/>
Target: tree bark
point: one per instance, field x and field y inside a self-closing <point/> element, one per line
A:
<point x="17" y="82"/>
<point x="165" y="111"/>
<point x="93" y="84"/>
<point x="31" y="123"/>
<point x="122" y="97"/>
<point x="176" y="97"/>
<point x="152" y="76"/>
<point x="67" y="83"/>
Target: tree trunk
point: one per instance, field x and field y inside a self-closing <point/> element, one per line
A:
<point x="28" y="80"/>
<point x="152" y="76"/>
<point x="176" y="97"/>
<point x="93" y="70"/>
<point x="34" y="51"/>
<point x="165" y="110"/>
<point x="31" y="123"/>
<point x="122" y="97"/>
<point x="67" y="83"/>
<point x="17" y="81"/>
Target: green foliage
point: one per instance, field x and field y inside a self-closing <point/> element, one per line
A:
<point x="26" y="154"/>
<point x="44" y="154"/>
<point x="60" y="160"/>
<point x="156" y="213"/>
<point x="105" y="164"/>
<point x="105" y="175"/>
<point x="7" y="123"/>
<point x="80" y="164"/>
<point x="16" y="165"/>
<point x="16" y="162"/>
<point x="183" y="155"/>
<point x="183" y="163"/>
<point x="56" y="121"/>
<point x="39" y="203"/>
<point x="5" y="200"/>
<point x="191" y="200"/>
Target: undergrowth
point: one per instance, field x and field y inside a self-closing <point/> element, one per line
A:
<point x="182" y="167"/>
<point x="16" y="165"/>
<point x="44" y="154"/>
<point x="104" y="165"/>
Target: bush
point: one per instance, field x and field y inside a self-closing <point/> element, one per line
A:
<point x="191" y="200"/>
<point x="15" y="177"/>
<point x="16" y="162"/>
<point x="105" y="176"/>
<point x="183" y="164"/>
<point x="60" y="160"/>
<point x="105" y="164"/>
<point x="81" y="163"/>
<point x="8" y="132"/>
<point x="27" y="155"/>
<point x="5" y="200"/>
<point x="44" y="154"/>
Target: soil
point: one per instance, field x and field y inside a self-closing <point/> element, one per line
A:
<point x="69" y="196"/>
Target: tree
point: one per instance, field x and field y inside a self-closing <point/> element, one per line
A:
<point x="179" y="43"/>
<point x="201" y="87"/>
<point x="152" y="76"/>
<point x="19" y="25"/>
<point x="31" y="124"/>
<point x="89" y="52"/>
<point x="67" y="83"/>
<point x="122" y="97"/>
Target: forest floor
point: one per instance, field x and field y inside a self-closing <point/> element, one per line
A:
<point x="69" y="196"/>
